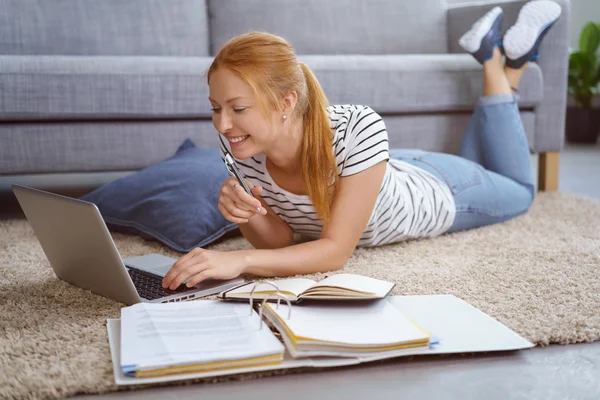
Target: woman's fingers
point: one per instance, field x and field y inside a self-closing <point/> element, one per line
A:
<point x="231" y="189"/>
<point x="199" y="278"/>
<point x="236" y="209"/>
<point x="194" y="266"/>
<point x="256" y="190"/>
<point x="229" y="217"/>
<point x="180" y="264"/>
<point x="236" y="204"/>
<point x="245" y="199"/>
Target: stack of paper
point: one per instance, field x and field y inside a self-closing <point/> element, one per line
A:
<point x="345" y="329"/>
<point x="199" y="336"/>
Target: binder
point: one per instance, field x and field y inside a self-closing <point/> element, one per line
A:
<point x="342" y="329"/>
<point x="458" y="327"/>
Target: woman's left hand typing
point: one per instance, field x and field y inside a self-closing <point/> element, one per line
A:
<point x="200" y="264"/>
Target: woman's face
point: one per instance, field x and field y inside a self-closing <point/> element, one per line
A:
<point x="237" y="114"/>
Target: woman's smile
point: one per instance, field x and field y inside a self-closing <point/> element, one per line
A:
<point x="237" y="141"/>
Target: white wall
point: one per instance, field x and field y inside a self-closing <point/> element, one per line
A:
<point x="583" y="11"/>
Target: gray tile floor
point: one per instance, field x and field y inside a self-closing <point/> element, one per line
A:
<point x="579" y="170"/>
<point x="554" y="372"/>
<point x="551" y="373"/>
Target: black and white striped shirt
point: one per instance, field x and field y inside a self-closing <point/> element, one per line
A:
<point x="411" y="202"/>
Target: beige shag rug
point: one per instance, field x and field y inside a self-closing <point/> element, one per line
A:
<point x="538" y="274"/>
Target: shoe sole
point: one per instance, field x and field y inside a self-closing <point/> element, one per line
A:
<point x="471" y="40"/>
<point x="534" y="19"/>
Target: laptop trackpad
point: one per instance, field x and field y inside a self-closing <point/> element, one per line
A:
<point x="154" y="263"/>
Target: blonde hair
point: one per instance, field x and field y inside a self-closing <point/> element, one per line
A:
<point x="268" y="64"/>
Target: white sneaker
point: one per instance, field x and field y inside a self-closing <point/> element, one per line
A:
<point x="484" y="35"/>
<point x="522" y="40"/>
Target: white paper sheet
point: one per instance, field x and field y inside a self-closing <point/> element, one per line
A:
<point x="199" y="332"/>
<point x="373" y="323"/>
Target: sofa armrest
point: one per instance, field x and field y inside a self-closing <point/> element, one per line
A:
<point x="554" y="63"/>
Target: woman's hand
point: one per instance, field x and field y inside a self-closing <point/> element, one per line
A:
<point x="238" y="206"/>
<point x="203" y="264"/>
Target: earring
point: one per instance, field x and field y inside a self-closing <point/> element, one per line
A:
<point x="284" y="117"/>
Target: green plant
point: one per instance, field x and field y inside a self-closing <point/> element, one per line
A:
<point x="584" y="68"/>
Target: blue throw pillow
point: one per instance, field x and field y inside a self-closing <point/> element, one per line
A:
<point x="174" y="202"/>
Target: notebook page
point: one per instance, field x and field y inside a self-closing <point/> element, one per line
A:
<point x="359" y="283"/>
<point x="159" y="335"/>
<point x="295" y="286"/>
<point x="376" y="322"/>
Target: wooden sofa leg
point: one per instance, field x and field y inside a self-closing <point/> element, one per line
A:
<point x="548" y="171"/>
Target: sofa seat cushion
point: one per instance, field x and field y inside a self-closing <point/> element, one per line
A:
<point x="412" y="83"/>
<point x="143" y="88"/>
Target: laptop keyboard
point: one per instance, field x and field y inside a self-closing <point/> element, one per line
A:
<point x="149" y="286"/>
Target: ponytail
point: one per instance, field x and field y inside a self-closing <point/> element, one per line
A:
<point x="319" y="169"/>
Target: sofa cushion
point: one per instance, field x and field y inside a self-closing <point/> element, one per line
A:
<point x="336" y="27"/>
<point x="106" y="27"/>
<point x="174" y="202"/>
<point x="412" y="83"/>
<point x="39" y="147"/>
<point x="58" y="148"/>
<point x="109" y="88"/>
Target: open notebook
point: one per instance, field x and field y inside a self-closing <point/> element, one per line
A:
<point x="335" y="287"/>
<point x="344" y="329"/>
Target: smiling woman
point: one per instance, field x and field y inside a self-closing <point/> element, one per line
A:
<point x="325" y="170"/>
<point x="253" y="100"/>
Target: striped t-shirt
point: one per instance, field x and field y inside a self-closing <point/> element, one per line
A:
<point x="411" y="202"/>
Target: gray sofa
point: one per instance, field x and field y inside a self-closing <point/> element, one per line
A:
<point x="117" y="85"/>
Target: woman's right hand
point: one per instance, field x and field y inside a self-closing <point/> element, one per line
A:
<point x="238" y="206"/>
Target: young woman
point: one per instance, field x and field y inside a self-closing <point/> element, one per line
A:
<point x="326" y="171"/>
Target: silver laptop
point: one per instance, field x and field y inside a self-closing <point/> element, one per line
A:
<point x="81" y="251"/>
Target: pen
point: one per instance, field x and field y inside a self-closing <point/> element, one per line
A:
<point x="231" y="165"/>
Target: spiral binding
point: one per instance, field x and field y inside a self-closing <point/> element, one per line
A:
<point x="262" y="304"/>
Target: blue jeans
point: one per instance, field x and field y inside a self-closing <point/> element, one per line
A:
<point x="491" y="177"/>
